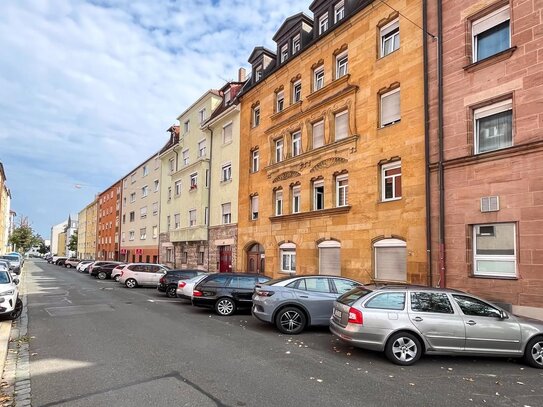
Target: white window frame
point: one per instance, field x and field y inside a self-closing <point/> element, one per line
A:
<point x="157" y="185"/>
<point x="339" y="11"/>
<point x="132" y="197"/>
<point x="487" y="22"/>
<point x="319" y="123"/>
<point x="186" y="157"/>
<point x="296" y="91"/>
<point x="496" y="258"/>
<point x="143" y="212"/>
<point x="256" y="116"/>
<point x="186" y="126"/>
<point x="172" y="164"/>
<point x="288" y="251"/>
<point x="177" y="220"/>
<point x="202" y="115"/>
<point x="396" y="117"/>
<point x="226" y="213"/>
<point x="279" y="101"/>
<point x="296" y="199"/>
<point x="254" y="205"/>
<point x="177" y="187"/>
<point x="155" y="208"/>
<point x="131" y="235"/>
<point x="387" y="32"/>
<point x="323" y="23"/>
<point x="384" y="244"/>
<point x="279" y="150"/>
<point x="155" y="232"/>
<point x="296" y="44"/>
<point x="487" y="111"/>
<point x="284" y="52"/>
<point x="202" y="148"/>
<point x="296" y="145"/>
<point x="384" y="168"/>
<point x="226" y="172"/>
<point x="259" y="71"/>
<point x="318" y="78"/>
<point x="318" y="184"/>
<point x="193" y="220"/>
<point x="227" y="96"/>
<point x="145" y="170"/>
<point x="342" y="64"/>
<point x="344" y="188"/>
<point x="144" y="191"/>
<point x="230" y="126"/>
<point x="278" y="202"/>
<point x="193" y="181"/>
<point x="339" y="115"/>
<point x="143" y="233"/>
<point x="255" y="160"/>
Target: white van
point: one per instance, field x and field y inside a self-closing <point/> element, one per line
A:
<point x="142" y="274"/>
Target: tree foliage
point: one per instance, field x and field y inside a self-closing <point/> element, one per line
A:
<point x="23" y="237"/>
<point x="72" y="245"/>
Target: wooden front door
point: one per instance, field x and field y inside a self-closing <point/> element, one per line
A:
<point x="225" y="259"/>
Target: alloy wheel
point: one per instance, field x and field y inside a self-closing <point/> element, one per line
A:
<point x="17" y="311"/>
<point x="102" y="275"/>
<point x="404" y="349"/>
<point x="225" y="306"/>
<point x="130" y="283"/>
<point x="171" y="292"/>
<point x="291" y="321"/>
<point x="537" y="352"/>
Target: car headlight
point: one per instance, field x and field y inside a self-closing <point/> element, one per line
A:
<point x="9" y="292"/>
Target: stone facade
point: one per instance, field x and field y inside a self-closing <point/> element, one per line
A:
<point x="513" y="172"/>
<point x="221" y="238"/>
<point x="345" y="227"/>
<point x="108" y="225"/>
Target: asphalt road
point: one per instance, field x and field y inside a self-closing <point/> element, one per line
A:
<point x="97" y="343"/>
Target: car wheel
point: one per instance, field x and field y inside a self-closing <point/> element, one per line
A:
<point x="225" y="306"/>
<point x="16" y="313"/>
<point x="403" y="349"/>
<point x="171" y="291"/>
<point x="290" y="321"/>
<point x="102" y="275"/>
<point x="533" y="355"/>
<point x="68" y="266"/>
<point x="117" y="278"/>
<point x="131" y="283"/>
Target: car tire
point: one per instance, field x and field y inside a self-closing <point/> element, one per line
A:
<point x="225" y="306"/>
<point x="68" y="266"/>
<point x="171" y="291"/>
<point x="102" y="275"/>
<point x="17" y="311"/>
<point x="117" y="278"/>
<point x="131" y="283"/>
<point x="403" y="348"/>
<point x="290" y="321"/>
<point x="533" y="355"/>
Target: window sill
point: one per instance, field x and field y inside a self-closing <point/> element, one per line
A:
<point x="386" y="126"/>
<point x="483" y="63"/>
<point x="226" y="181"/>
<point x="390" y="53"/>
<point x="315" y="94"/>
<point x="285" y="110"/>
<point x="310" y="214"/>
<point x="390" y="200"/>
<point x="493" y="277"/>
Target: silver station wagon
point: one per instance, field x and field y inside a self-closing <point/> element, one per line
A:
<point x="408" y="321"/>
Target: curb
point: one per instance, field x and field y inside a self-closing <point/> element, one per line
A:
<point x="5" y="332"/>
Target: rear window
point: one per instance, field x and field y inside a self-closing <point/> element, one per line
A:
<point x="350" y="297"/>
<point x="392" y="301"/>
<point x="219" y="280"/>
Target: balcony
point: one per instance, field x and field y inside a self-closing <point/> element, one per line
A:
<point x="196" y="233"/>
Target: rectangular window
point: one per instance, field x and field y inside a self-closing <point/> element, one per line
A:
<point x="143" y="212"/>
<point x="169" y="193"/>
<point x="278" y="203"/>
<point x="391" y="178"/>
<point x="157" y="185"/>
<point x="279" y="150"/>
<point x="186" y="126"/>
<point x="176" y="221"/>
<point x="296" y="45"/>
<point x="339" y="11"/>
<point x="258" y="73"/>
<point x="186" y="157"/>
<point x="155" y="208"/>
<point x="201" y="255"/>
<point x="342" y="65"/>
<point x="491" y="34"/>
<point x="318" y="134"/>
<point x="494" y="250"/>
<point x="296" y="143"/>
<point x="318" y="195"/>
<point x="172" y="165"/>
<point x="493" y="127"/>
<point x="226" y="213"/>
<point x="202" y="115"/>
<point x="185" y="258"/>
<point x="341" y="125"/>
<point x="206" y="216"/>
<point x="226" y="173"/>
<point x="255" y="160"/>
<point x="143" y="233"/>
<point x="132" y="216"/>
<point x="144" y="191"/>
<point x="133" y="178"/>
<point x="131" y="235"/>
<point x="177" y="186"/>
<point x="318" y="78"/>
<point x="390" y="37"/>
<point x="323" y="23"/>
<point x="227" y="96"/>
<point x="168" y="222"/>
<point x="169" y="255"/>
<point x="192" y="217"/>
<point x="342" y="190"/>
<point x="288" y="260"/>
<point x="296" y="91"/>
<point x="284" y="53"/>
<point x="155" y="232"/>
<point x="390" y="107"/>
<point x="296" y="199"/>
<point x="202" y="148"/>
<point x="256" y="116"/>
<point x="280" y="101"/>
<point x="123" y="236"/>
<point x="145" y="170"/>
<point x="254" y="207"/>
<point x="194" y="181"/>
<point x="132" y="197"/>
<point x="227" y="133"/>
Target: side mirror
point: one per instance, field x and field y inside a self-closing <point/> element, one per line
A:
<point x="16" y="281"/>
<point x="503" y="315"/>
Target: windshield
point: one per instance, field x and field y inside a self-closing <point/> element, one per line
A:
<point x="4" y="277"/>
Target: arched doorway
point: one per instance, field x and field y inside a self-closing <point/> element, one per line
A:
<point x="256" y="259"/>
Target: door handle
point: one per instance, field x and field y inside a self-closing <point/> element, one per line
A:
<point x="470" y="322"/>
<point x="417" y="319"/>
<point x="304" y="296"/>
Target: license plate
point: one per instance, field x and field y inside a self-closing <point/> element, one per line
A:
<point x="337" y="313"/>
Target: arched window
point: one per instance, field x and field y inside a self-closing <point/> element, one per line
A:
<point x="288" y="257"/>
<point x="390" y="260"/>
<point x="330" y="257"/>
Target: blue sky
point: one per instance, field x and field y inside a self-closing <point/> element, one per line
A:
<point x="88" y="88"/>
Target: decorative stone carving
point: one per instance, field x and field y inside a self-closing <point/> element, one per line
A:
<point x="329" y="162"/>
<point x="286" y="175"/>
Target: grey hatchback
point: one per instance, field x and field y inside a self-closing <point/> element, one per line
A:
<point x="294" y="302"/>
<point x="406" y="322"/>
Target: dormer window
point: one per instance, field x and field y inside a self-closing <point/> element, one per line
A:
<point x="323" y="23"/>
<point x="296" y="44"/>
<point x="280" y="102"/>
<point x="339" y="11"/>
<point x="258" y="73"/>
<point x="284" y="53"/>
<point x="227" y="97"/>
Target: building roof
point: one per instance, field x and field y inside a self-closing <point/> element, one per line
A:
<point x="291" y="22"/>
<point x="257" y="51"/>
<point x="235" y="88"/>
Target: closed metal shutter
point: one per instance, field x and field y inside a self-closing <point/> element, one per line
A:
<point x="391" y="263"/>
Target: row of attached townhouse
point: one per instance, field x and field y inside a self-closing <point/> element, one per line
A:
<point x="396" y="141"/>
<point x="6" y="214"/>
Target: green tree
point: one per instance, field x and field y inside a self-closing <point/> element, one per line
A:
<point x="23" y="237"/>
<point x="72" y="245"/>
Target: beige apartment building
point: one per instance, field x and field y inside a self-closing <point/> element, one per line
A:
<point x="86" y="241"/>
<point x="5" y="203"/>
<point x="184" y="193"/>
<point x="140" y="213"/>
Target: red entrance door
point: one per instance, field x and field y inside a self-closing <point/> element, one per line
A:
<point x="225" y="259"/>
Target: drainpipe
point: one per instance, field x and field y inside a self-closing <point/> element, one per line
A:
<point x="442" y="281"/>
<point x="429" y="280"/>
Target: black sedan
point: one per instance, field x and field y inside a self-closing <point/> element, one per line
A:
<point x="103" y="271"/>
<point x="168" y="283"/>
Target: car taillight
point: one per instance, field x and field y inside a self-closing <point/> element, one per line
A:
<point x="264" y="293"/>
<point x="122" y="273"/>
<point x="181" y="284"/>
<point x="355" y="316"/>
<point x="197" y="293"/>
<point x="161" y="281"/>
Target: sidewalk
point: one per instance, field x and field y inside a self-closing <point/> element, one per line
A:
<point x="5" y="332"/>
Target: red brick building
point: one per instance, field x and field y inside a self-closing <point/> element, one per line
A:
<point x="108" y="225"/>
<point x="486" y="145"/>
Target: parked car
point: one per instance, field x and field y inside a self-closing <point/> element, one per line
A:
<point x="71" y="262"/>
<point x="168" y="283"/>
<point x="21" y="257"/>
<point x="116" y="272"/>
<point x="100" y="263"/>
<point x="83" y="263"/>
<point x="407" y="322"/>
<point x="185" y="288"/>
<point x="14" y="262"/>
<point x="10" y="303"/>
<point x="142" y="274"/>
<point x="4" y="265"/>
<point x="60" y="261"/>
<point x="103" y="271"/>
<point x="296" y="302"/>
<point x="48" y="258"/>
<point x="226" y="292"/>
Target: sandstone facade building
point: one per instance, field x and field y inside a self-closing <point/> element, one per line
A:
<point x="332" y="170"/>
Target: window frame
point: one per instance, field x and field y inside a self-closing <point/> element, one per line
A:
<point x="202" y="115"/>
<point x="497" y="21"/>
<point x="345" y="188"/>
<point x="296" y="143"/>
<point x="185" y="156"/>
<point x="494" y="257"/>
<point x="254" y="204"/>
<point x="342" y="63"/>
<point x="316" y="193"/>
<point x="389" y="31"/>
<point x="255" y="160"/>
<point x="488" y="111"/>
<point x="296" y="44"/>
<point x="278" y="202"/>
<point x="176" y="220"/>
<point x="323" y="23"/>
<point x="339" y="11"/>
<point x="279" y="150"/>
<point x="313" y="125"/>
<point x="193" y="218"/>
<point x="336" y="116"/>
<point x="381" y="97"/>
<point x="318" y="78"/>
<point x="256" y="116"/>
<point x="296" y="199"/>
<point x="284" y="52"/>
<point x="177" y="187"/>
<point x="384" y="168"/>
<point x="226" y="172"/>
<point x="226" y="217"/>
<point x="280" y="101"/>
<point x="193" y="181"/>
<point x="297" y="91"/>
<point x="229" y="125"/>
<point x="288" y="251"/>
<point x="202" y="148"/>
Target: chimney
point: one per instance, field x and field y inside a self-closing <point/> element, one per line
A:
<point x="241" y="75"/>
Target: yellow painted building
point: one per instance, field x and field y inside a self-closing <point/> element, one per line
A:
<point x="332" y="170"/>
<point x="86" y="240"/>
<point x="5" y="199"/>
<point x="62" y="244"/>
